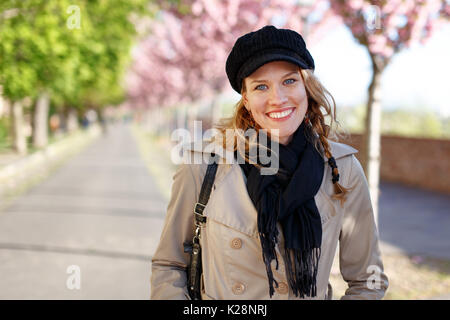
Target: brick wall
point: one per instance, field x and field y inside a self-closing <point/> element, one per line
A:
<point x="419" y="162"/>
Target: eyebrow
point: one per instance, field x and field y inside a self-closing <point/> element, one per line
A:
<point x="287" y="74"/>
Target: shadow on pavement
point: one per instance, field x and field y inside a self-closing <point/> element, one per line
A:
<point x="415" y="221"/>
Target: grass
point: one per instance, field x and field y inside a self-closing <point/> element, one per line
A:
<point x="410" y="278"/>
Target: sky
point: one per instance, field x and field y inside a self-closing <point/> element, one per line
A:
<point x="417" y="77"/>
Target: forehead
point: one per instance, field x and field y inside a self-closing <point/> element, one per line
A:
<point x="273" y="67"/>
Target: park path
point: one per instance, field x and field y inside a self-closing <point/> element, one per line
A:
<point x="101" y="211"/>
<point x="414" y="221"/>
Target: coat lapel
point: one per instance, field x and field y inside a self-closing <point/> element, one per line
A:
<point x="230" y="191"/>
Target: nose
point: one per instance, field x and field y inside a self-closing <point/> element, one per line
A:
<point x="277" y="96"/>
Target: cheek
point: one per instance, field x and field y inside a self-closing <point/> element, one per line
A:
<point x="257" y="107"/>
<point x="302" y="96"/>
<point x="302" y="101"/>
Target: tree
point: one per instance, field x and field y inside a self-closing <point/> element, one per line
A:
<point x="73" y="56"/>
<point x="182" y="60"/>
<point x="385" y="28"/>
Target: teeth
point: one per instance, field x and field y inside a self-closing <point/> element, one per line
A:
<point x="280" y="114"/>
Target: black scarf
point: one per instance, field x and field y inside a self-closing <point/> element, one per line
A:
<point x="288" y="197"/>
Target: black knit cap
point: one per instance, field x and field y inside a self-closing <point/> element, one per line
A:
<point x="267" y="44"/>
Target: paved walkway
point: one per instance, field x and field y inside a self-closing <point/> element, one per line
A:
<point x="101" y="212"/>
<point x="414" y="221"/>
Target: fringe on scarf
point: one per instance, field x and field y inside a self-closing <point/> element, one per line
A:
<point x="302" y="267"/>
<point x="268" y="234"/>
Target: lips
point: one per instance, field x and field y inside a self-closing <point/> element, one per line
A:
<point x="280" y="114"/>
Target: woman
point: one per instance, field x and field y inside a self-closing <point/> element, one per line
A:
<point x="275" y="236"/>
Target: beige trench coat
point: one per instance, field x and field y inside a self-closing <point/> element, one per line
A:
<point x="232" y="258"/>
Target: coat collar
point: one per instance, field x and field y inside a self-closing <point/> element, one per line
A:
<point x="338" y="150"/>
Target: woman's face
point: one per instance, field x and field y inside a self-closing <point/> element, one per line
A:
<point x="276" y="97"/>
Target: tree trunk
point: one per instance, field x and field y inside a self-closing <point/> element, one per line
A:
<point x="2" y="103"/>
<point x="19" y="139"/>
<point x="6" y="108"/>
<point x="158" y="115"/>
<point x="40" y="121"/>
<point x="372" y="138"/>
<point x="101" y="118"/>
<point x="172" y="118"/>
<point x="63" y="119"/>
<point x="71" y="120"/>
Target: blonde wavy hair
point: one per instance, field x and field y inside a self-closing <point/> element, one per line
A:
<point x="318" y="132"/>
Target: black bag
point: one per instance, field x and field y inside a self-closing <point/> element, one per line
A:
<point x="194" y="269"/>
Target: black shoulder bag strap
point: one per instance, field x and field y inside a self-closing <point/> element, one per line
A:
<point x="194" y="270"/>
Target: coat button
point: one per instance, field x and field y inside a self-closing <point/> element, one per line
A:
<point x="282" y="288"/>
<point x="238" y="288"/>
<point x="236" y="243"/>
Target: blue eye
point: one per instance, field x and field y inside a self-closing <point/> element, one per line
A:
<point x="289" y="81"/>
<point x="259" y="87"/>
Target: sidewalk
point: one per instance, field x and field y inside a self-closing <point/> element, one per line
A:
<point x="20" y="172"/>
<point x="100" y="212"/>
<point x="415" y="221"/>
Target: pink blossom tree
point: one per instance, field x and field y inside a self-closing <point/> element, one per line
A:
<point x="385" y="28"/>
<point x="183" y="59"/>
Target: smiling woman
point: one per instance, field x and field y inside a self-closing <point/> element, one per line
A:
<point x="276" y="98"/>
<point x="273" y="236"/>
